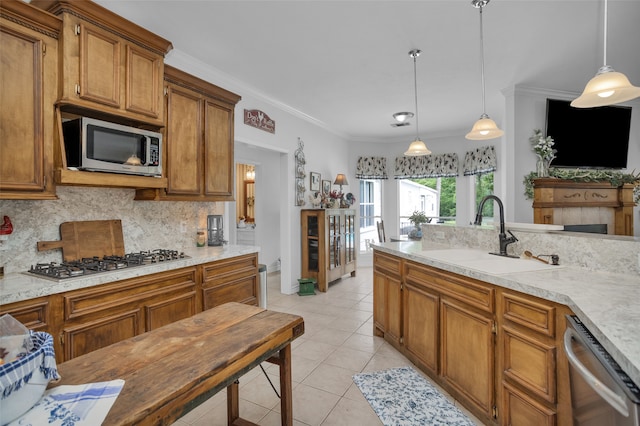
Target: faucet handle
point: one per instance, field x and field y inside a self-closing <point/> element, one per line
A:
<point x="513" y="237"/>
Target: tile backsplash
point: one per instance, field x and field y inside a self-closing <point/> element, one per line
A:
<point x="590" y="251"/>
<point x="145" y="224"/>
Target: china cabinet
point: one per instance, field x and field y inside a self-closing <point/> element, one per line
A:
<point x="328" y="245"/>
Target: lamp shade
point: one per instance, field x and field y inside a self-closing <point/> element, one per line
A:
<point x="341" y="180"/>
<point x="484" y="128"/>
<point x="417" y="148"/>
<point x="608" y="87"/>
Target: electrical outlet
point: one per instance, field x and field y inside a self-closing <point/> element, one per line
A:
<point x="183" y="228"/>
<point x="439" y="235"/>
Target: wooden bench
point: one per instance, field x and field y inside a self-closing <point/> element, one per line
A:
<point x="171" y="370"/>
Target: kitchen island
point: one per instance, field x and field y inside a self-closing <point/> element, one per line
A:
<point x="491" y="329"/>
<point x="607" y="303"/>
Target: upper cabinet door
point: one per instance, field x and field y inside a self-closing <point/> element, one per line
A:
<point x="218" y="149"/>
<point x="99" y="66"/>
<point x="183" y="141"/>
<point x="28" y="73"/>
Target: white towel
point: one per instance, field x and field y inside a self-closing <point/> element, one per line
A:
<point x="73" y="405"/>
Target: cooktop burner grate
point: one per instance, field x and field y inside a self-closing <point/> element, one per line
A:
<point x="93" y="265"/>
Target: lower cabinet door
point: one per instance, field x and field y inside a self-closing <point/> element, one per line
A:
<point x="522" y="410"/>
<point x="421" y="323"/>
<point x="467" y="354"/>
<point x="89" y="336"/>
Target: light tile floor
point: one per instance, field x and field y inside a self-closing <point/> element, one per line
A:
<point x="338" y="342"/>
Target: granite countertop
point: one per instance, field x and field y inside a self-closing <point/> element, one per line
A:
<point x="607" y="303"/>
<point x="16" y="287"/>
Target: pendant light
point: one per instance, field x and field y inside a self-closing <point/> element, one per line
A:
<point x="417" y="147"/>
<point x="608" y="87"/>
<point x="485" y="128"/>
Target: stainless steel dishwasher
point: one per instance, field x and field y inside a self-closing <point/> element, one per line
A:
<point x="602" y="394"/>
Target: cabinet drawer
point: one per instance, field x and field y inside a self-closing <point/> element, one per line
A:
<point x="386" y="264"/>
<point x="244" y="290"/>
<point x="530" y="363"/>
<point x="519" y="409"/>
<point x="468" y="290"/>
<point x="224" y="271"/>
<point x="128" y="294"/>
<point x="33" y="314"/>
<point x="529" y="314"/>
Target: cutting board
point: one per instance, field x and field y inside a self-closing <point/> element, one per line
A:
<point x="88" y="239"/>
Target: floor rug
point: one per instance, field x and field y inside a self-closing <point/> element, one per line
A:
<point x="402" y="397"/>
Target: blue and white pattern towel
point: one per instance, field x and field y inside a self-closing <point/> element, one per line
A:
<point x="73" y="405"/>
<point x="14" y="374"/>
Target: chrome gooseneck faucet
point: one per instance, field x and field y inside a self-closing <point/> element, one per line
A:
<point x="504" y="240"/>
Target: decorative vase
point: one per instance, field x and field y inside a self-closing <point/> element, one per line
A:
<point x="415" y="234"/>
<point x="542" y="167"/>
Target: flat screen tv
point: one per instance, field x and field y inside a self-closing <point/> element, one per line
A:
<point x="595" y="138"/>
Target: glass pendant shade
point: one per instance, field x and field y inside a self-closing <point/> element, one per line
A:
<point x="417" y="148"/>
<point x="484" y="128"/>
<point x="608" y="87"/>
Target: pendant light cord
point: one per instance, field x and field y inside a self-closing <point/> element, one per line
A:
<point x="414" y="54"/>
<point x="605" y="33"/>
<point x="484" y="107"/>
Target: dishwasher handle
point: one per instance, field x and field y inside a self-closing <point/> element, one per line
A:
<point x="600" y="388"/>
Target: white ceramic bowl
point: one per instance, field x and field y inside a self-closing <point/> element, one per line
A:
<point x="20" y="401"/>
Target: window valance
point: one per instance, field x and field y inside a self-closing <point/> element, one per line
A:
<point x="480" y="160"/>
<point x="427" y="166"/>
<point x="371" y="168"/>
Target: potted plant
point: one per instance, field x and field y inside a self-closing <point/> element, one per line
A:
<point x="417" y="218"/>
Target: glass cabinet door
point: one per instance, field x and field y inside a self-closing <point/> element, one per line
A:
<point x="333" y="222"/>
<point x="349" y="237"/>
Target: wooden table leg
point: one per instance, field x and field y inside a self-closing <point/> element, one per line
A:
<point x="233" y="403"/>
<point x="286" y="406"/>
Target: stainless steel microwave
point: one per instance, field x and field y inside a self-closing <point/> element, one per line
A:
<point x="100" y="146"/>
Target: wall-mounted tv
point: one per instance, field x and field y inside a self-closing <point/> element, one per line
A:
<point x="589" y="137"/>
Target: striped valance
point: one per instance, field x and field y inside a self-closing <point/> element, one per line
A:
<point x="371" y="168"/>
<point x="480" y="160"/>
<point x="427" y="166"/>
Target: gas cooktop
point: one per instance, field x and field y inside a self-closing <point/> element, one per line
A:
<point x="94" y="265"/>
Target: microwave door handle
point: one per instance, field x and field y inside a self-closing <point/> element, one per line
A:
<point x="600" y="388"/>
<point x="147" y="150"/>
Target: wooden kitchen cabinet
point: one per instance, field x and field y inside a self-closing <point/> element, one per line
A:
<point x="29" y="73"/>
<point x="328" y="246"/>
<point x="110" y="65"/>
<point x="100" y="316"/>
<point x="230" y="280"/>
<point x="198" y="141"/>
<point x="532" y="367"/>
<point x="458" y="336"/>
<point x="387" y="297"/>
<point x="497" y="351"/>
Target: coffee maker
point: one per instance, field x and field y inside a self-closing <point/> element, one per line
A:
<point x="215" y="232"/>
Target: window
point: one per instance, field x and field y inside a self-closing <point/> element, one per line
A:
<point x="370" y="211"/>
<point x="484" y="187"/>
<point x="441" y="204"/>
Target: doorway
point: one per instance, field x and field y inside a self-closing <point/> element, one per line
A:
<point x="245" y="217"/>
